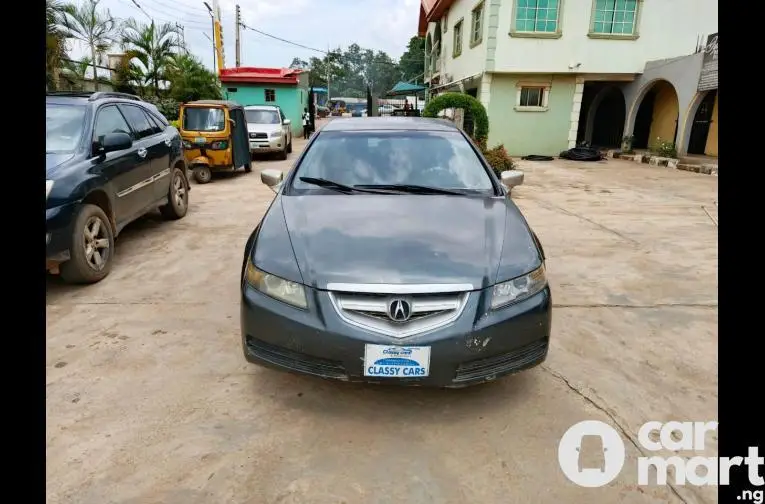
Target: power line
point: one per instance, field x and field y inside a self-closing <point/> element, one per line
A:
<point x="284" y="40"/>
<point x="173" y="18"/>
<point x="196" y="11"/>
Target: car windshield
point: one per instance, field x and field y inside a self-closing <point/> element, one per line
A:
<point x="442" y="160"/>
<point x="63" y="127"/>
<point x="204" y="119"/>
<point x="262" y="116"/>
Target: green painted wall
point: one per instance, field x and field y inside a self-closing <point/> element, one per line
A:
<point x="523" y="133"/>
<point x="292" y="99"/>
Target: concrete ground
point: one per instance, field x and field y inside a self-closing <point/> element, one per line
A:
<point x="149" y="399"/>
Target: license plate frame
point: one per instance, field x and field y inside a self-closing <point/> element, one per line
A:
<point x="396" y="361"/>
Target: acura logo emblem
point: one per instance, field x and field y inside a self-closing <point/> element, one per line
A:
<point x="399" y="310"/>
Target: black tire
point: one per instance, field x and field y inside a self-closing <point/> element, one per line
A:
<point x="248" y="167"/>
<point x="178" y="197"/>
<point x="289" y="147"/>
<point x="202" y="174"/>
<point x="283" y="154"/>
<point x="83" y="269"/>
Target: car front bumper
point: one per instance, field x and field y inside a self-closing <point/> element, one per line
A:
<point x="473" y="349"/>
<point x="267" y="144"/>
<point x="58" y="232"/>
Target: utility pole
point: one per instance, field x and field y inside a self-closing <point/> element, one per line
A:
<point x="238" y="24"/>
<point x="329" y="105"/>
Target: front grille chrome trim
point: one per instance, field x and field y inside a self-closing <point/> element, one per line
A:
<point x="369" y="311"/>
<point x="399" y="288"/>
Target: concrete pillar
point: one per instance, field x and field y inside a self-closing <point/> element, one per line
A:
<point x="576" y="108"/>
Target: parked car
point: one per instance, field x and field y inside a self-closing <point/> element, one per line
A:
<point x="391" y="252"/>
<point x="358" y="109"/>
<point x="269" y="130"/>
<point x="386" y="109"/>
<point x="110" y="158"/>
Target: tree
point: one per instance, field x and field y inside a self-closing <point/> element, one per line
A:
<point x="152" y="47"/>
<point x="190" y="80"/>
<point x="76" y="71"/>
<point x="92" y="27"/>
<point x="55" y="42"/>
<point x="299" y="63"/>
<point x="412" y="62"/>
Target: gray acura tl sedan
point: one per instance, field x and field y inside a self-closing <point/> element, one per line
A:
<point x="391" y="253"/>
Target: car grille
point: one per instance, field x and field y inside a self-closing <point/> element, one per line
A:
<point x="428" y="311"/>
<point x="296" y="360"/>
<point x="500" y="364"/>
<point x="258" y="135"/>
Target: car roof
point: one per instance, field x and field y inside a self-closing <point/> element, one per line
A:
<point x="224" y="103"/>
<point x="261" y="107"/>
<point x="390" y="124"/>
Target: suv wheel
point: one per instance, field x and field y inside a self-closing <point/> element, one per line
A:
<point x="178" y="197"/>
<point x="92" y="247"/>
<point x="289" y="146"/>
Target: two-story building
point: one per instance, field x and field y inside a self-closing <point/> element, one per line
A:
<point x="555" y="73"/>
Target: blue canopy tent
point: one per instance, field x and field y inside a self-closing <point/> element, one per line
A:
<point x="407" y="89"/>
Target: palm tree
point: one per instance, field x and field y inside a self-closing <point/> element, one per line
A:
<point x="55" y="42"/>
<point x="90" y="26"/>
<point x="77" y="71"/>
<point x="152" y="46"/>
<point x="190" y="80"/>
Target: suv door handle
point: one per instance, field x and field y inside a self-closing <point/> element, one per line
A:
<point x="142" y="153"/>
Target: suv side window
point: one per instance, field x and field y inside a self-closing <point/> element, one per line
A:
<point x="155" y="127"/>
<point x="109" y="120"/>
<point x="138" y="121"/>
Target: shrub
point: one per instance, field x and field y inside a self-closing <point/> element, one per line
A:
<point x="664" y="149"/>
<point x="499" y="159"/>
<point x="176" y="124"/>
<point x="167" y="106"/>
<point x="461" y="101"/>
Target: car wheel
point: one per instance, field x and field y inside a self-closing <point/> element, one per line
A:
<point x="283" y="154"/>
<point x="178" y="196"/>
<point x="289" y="146"/>
<point x="203" y="174"/>
<point x="92" y="247"/>
<point x="248" y="167"/>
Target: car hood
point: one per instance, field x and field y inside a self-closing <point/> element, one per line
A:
<point x="53" y="161"/>
<point x="401" y="239"/>
<point x="263" y="128"/>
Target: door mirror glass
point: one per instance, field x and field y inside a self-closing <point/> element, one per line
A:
<point x="287" y="122"/>
<point x="116" y="142"/>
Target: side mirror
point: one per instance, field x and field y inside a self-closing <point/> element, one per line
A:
<point x="233" y="123"/>
<point x="116" y="142"/>
<point x="287" y="122"/>
<point x="271" y="177"/>
<point x="512" y="178"/>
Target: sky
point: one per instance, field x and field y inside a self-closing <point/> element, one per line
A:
<point x="385" y="25"/>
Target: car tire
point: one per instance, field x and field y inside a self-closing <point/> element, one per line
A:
<point x="283" y="153"/>
<point x="178" y="197"/>
<point x="289" y="146"/>
<point x="203" y="174"/>
<point x="91" y="233"/>
<point x="248" y="167"/>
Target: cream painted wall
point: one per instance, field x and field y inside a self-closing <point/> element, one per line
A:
<point x="665" y="115"/>
<point x="666" y="28"/>
<point x="472" y="60"/>
<point x="711" y="148"/>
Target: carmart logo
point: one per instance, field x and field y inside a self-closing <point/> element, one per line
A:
<point x="603" y="438"/>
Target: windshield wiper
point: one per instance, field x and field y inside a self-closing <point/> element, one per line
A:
<point x="409" y="188"/>
<point x="336" y="186"/>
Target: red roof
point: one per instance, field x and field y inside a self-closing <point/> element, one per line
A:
<point x="256" y="75"/>
<point x="431" y="10"/>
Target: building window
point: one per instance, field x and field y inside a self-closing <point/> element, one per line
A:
<point x="231" y="90"/>
<point x="615" y="17"/>
<point x="532" y="97"/>
<point x="270" y="95"/>
<point x="476" y="25"/>
<point x="457" y="39"/>
<point x="537" y="16"/>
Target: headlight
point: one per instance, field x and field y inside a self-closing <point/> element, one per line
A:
<point x="278" y="288"/>
<point x="48" y="187"/>
<point x="519" y="288"/>
<point x="219" y="145"/>
<point x="276" y="134"/>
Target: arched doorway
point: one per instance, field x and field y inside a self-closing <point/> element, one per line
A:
<point x="608" y="119"/>
<point x="657" y="116"/>
<point x="699" y="140"/>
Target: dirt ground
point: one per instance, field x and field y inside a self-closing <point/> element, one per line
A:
<point x="149" y="399"/>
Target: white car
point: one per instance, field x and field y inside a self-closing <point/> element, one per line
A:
<point x="386" y="109"/>
<point x="268" y="130"/>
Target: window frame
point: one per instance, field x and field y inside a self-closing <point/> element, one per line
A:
<point x="480" y="6"/>
<point x="265" y="95"/>
<point x="514" y="32"/>
<point x="94" y="139"/>
<point x="544" y="99"/>
<point x="616" y="36"/>
<point x="457" y="48"/>
<point x="123" y="107"/>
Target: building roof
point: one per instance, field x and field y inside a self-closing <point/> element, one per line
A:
<point x="431" y="10"/>
<point x="389" y="124"/>
<point x="257" y="75"/>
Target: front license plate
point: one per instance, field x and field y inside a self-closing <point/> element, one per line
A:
<point x="389" y="361"/>
<point x="200" y="140"/>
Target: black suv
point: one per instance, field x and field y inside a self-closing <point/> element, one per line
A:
<point x="110" y="158"/>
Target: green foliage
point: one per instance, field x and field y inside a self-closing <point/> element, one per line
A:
<point x="627" y="144"/>
<point x="150" y="48"/>
<point x="92" y="27"/>
<point x="461" y="101"/>
<point x="664" y="148"/>
<point x="55" y="42"/>
<point x="190" y="80"/>
<point x="411" y="62"/>
<point x="499" y="159"/>
<point x="176" y="123"/>
<point x="168" y="106"/>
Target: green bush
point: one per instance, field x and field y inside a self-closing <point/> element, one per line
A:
<point x="169" y="107"/>
<point x="465" y="102"/>
<point x="499" y="159"/>
<point x="176" y="124"/>
<point x="664" y="148"/>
